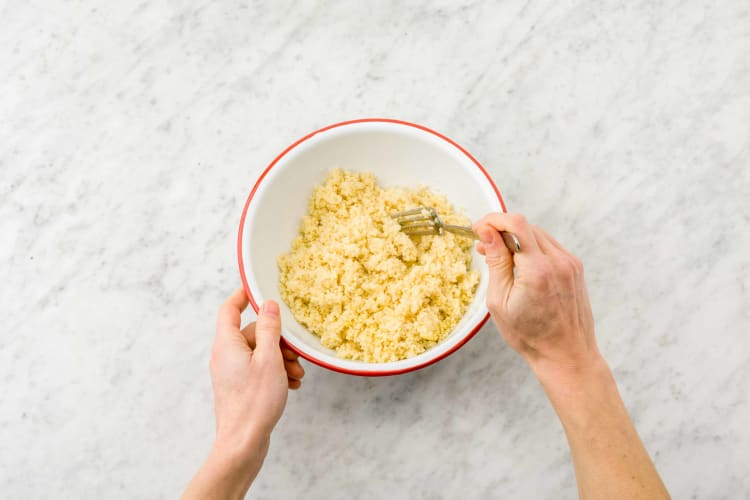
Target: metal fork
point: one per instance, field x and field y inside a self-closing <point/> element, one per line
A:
<point x="425" y="221"/>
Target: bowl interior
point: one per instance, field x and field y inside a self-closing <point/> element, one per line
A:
<point x="399" y="155"/>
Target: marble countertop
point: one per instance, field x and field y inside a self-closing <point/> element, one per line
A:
<point x="131" y="133"/>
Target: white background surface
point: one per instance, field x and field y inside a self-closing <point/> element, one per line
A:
<point x="130" y="134"/>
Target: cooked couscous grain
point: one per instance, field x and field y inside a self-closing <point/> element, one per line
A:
<point x="369" y="291"/>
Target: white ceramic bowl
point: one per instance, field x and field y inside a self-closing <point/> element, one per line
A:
<point x="399" y="154"/>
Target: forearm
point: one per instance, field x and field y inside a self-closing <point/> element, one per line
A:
<point x="228" y="471"/>
<point x="609" y="458"/>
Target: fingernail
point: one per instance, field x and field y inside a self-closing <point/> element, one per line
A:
<point x="270" y="308"/>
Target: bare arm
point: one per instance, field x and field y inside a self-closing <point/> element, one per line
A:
<point x="251" y="375"/>
<point x="542" y="311"/>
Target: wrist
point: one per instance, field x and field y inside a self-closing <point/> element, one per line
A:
<point x="242" y="450"/>
<point x="557" y="374"/>
<point x="230" y="468"/>
<point x="234" y="463"/>
<point x="579" y="391"/>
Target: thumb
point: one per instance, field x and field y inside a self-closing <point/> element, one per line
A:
<point x="499" y="261"/>
<point x="268" y="327"/>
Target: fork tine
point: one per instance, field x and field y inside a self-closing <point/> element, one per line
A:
<point x="405" y="213"/>
<point x="432" y="232"/>
<point x="425" y="221"/>
<point x="416" y="225"/>
<point x="420" y="221"/>
<point x="412" y="218"/>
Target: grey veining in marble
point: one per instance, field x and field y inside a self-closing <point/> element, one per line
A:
<point x="130" y="134"/>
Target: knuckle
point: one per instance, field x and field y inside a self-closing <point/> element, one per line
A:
<point x="268" y="323"/>
<point x="539" y="282"/>
<point x="544" y="276"/>
<point x="483" y="221"/>
<point x="518" y="220"/>
<point x="571" y="271"/>
<point x="266" y="359"/>
<point x="496" y="262"/>
<point x="544" y="270"/>
<point x="578" y="264"/>
<point x="224" y="309"/>
<point x="565" y="270"/>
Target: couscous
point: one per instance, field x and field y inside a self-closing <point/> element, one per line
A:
<point x="369" y="291"/>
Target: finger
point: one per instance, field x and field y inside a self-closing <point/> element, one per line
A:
<point x="268" y="328"/>
<point x="288" y="354"/>
<point x="230" y="311"/>
<point x="499" y="262"/>
<point x="249" y="333"/>
<point x="545" y="245"/>
<point x="493" y="247"/>
<point x="550" y="238"/>
<point x="556" y="243"/>
<point x="294" y="384"/>
<point x="559" y="255"/>
<point x="480" y="248"/>
<point x="294" y="370"/>
<point x="516" y="224"/>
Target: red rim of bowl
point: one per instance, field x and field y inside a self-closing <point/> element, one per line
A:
<point x="249" y="293"/>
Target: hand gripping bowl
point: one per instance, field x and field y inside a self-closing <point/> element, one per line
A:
<point x="399" y="154"/>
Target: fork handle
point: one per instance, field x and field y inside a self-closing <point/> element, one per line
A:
<point x="510" y="239"/>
